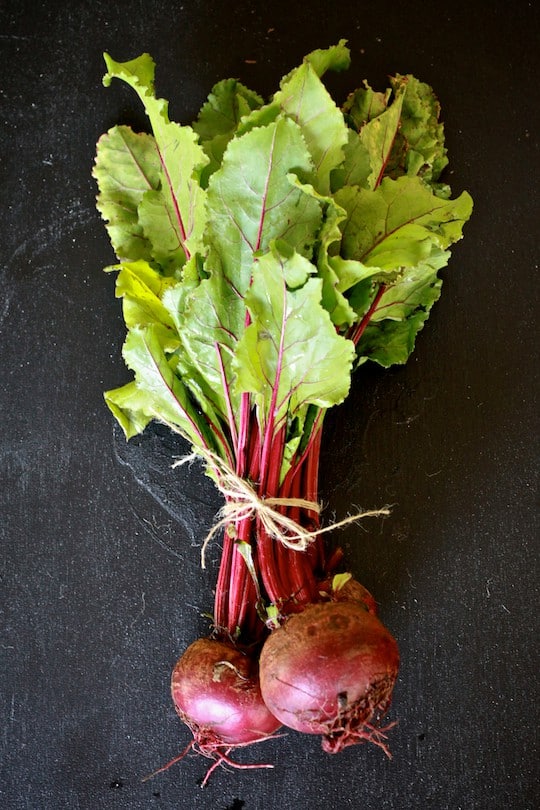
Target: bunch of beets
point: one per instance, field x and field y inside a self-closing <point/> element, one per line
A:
<point x="264" y="253"/>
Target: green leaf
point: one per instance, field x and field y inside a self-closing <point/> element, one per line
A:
<point x="142" y="289"/>
<point x="365" y="104"/>
<point x="339" y="580"/>
<point x="329" y="237"/>
<point x="157" y="217"/>
<point x="218" y="120"/>
<point x="402" y="311"/>
<point x="419" y="147"/>
<point x="167" y="399"/>
<point x="397" y="224"/>
<point x="378" y="137"/>
<point x="356" y="168"/>
<point x="211" y="324"/>
<point x="251" y="201"/>
<point x="227" y="103"/>
<point x="391" y="342"/>
<point x="418" y="289"/>
<point x="130" y="407"/>
<point x="126" y="166"/>
<point x="182" y="159"/>
<point x="290" y="355"/>
<point x="336" y="57"/>
<point x="368" y="152"/>
<point x="305" y="99"/>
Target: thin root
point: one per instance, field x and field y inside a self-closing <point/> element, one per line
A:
<point x="218" y="752"/>
<point x="367" y="732"/>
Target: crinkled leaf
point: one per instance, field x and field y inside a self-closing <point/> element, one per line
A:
<point x="130" y="407"/>
<point x="143" y="287"/>
<point x="363" y="105"/>
<point x="329" y="236"/>
<point x="419" y="288"/>
<point x="126" y="166"/>
<point x="356" y="167"/>
<point x="290" y="355"/>
<point x="211" y="325"/>
<point x="402" y="311"/>
<point x="306" y="100"/>
<point x="419" y="148"/>
<point x="398" y="223"/>
<point x="368" y="152"/>
<point x="251" y="201"/>
<point x="219" y="118"/>
<point x="227" y="103"/>
<point x="182" y="159"/>
<point x="157" y="217"/>
<point x="167" y="399"/>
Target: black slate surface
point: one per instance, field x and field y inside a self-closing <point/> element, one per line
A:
<point x="100" y="580"/>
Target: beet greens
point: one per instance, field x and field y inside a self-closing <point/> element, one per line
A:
<point x="264" y="253"/>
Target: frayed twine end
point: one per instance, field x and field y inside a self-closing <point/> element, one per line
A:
<point x="242" y="502"/>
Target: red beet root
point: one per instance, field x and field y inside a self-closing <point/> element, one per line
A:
<point x="350" y="591"/>
<point x="215" y="689"/>
<point x="330" y="670"/>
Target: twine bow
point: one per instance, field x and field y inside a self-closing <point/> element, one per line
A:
<point x="243" y="502"/>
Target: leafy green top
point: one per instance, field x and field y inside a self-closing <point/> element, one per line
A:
<point x="269" y="247"/>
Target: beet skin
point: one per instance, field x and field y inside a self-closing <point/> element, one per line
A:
<point x="330" y="670"/>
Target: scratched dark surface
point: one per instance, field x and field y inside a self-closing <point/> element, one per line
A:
<point x="101" y="586"/>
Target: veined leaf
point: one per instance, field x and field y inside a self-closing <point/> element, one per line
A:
<point x="166" y="396"/>
<point x="251" y="201"/>
<point x="368" y="152"/>
<point x="305" y="99"/>
<point x="329" y="236"/>
<point x="126" y="166"/>
<point x="356" y="167"/>
<point x="419" y="147"/>
<point x="418" y="288"/>
<point x="401" y="313"/>
<point x="378" y="137"/>
<point x="391" y="342"/>
<point x="218" y="120"/>
<point x="211" y="325"/>
<point x="398" y="223"/>
<point x="158" y="219"/>
<point x="227" y="103"/>
<point x="290" y="355"/>
<point x="181" y="157"/>
<point x="129" y="405"/>
<point x="143" y="287"/>
<point x="365" y="104"/>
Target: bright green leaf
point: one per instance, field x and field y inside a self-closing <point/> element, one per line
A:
<point x="251" y="201"/>
<point x="130" y="407"/>
<point x="290" y="355"/>
<point x="305" y="99"/>
<point x="398" y="223"/>
<point x="167" y="398"/>
<point x="182" y="159"/>
<point x="127" y="165"/>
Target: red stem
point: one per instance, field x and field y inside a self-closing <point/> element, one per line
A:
<point x="359" y="329"/>
<point x="288" y="577"/>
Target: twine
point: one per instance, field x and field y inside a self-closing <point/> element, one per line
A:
<point x="242" y="502"/>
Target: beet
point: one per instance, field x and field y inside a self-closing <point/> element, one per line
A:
<point x="330" y="670"/>
<point x="215" y="689"/>
<point x="350" y="591"/>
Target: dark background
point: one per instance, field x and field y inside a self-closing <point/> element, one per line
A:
<point x="101" y="587"/>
